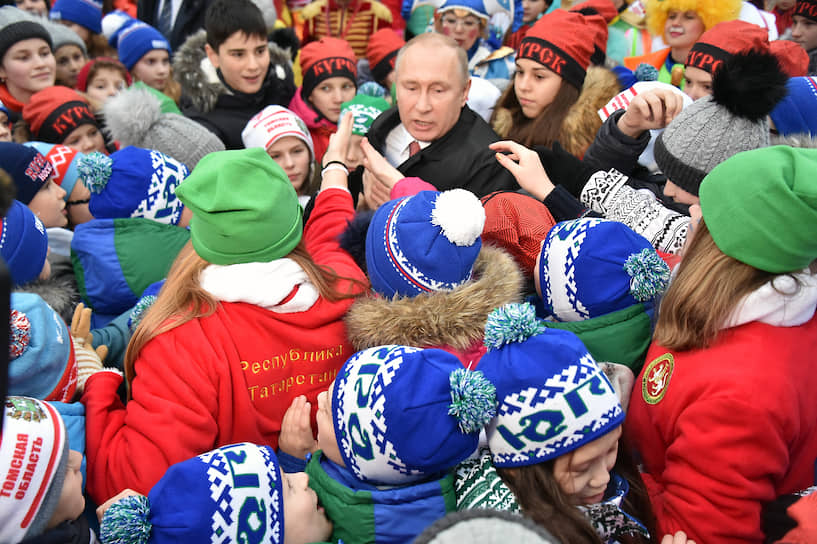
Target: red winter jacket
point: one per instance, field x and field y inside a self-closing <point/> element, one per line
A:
<point x="221" y="379"/>
<point x="723" y="430"/>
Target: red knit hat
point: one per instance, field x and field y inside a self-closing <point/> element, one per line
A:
<point x="382" y="52"/>
<point x="325" y="58"/>
<point x="806" y="8"/>
<point x="557" y="41"/>
<point x="517" y="223"/>
<point x="599" y="14"/>
<point x="724" y="40"/>
<point x="82" y="78"/>
<point x="53" y="113"/>
<point x="605" y="8"/>
<point x="791" y="56"/>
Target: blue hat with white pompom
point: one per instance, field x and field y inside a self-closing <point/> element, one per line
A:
<point x="402" y="414"/>
<point x="592" y="267"/>
<point x="215" y="497"/>
<point x="425" y="242"/>
<point x="134" y="182"/>
<point x="552" y="396"/>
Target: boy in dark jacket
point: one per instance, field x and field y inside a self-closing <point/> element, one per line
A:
<point x="229" y="72"/>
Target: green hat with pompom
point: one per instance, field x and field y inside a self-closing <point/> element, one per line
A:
<point x="244" y="208"/>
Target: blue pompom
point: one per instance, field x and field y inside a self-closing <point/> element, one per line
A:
<point x="511" y="323"/>
<point x="95" y="170"/>
<point x="649" y="274"/>
<point x="126" y="522"/>
<point x="370" y="88"/>
<point x="646" y="72"/>
<point x="473" y="399"/>
<point x="139" y="311"/>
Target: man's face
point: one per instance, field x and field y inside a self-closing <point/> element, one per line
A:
<point x="243" y="61"/>
<point x="430" y="90"/>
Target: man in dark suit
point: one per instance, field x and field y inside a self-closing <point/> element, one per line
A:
<point x="176" y="19"/>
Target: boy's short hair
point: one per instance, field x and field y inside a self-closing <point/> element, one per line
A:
<point x="226" y="17"/>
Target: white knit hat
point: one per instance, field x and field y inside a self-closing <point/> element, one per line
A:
<point x="273" y="123"/>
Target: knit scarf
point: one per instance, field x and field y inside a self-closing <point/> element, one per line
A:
<point x="9" y="101"/>
<point x="608" y="519"/>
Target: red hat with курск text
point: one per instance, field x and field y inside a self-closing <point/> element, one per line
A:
<point x="53" y="113"/>
<point x="806" y="8"/>
<point x="328" y="57"/>
<point x="724" y="40"/>
<point x="558" y="42"/>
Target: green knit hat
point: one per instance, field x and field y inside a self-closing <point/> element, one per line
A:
<point x="245" y="209"/>
<point x="365" y="109"/>
<point x="761" y="207"/>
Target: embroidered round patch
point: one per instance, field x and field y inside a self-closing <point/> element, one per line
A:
<point x="656" y="378"/>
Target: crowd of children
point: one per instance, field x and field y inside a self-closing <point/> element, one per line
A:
<point x="368" y="272"/>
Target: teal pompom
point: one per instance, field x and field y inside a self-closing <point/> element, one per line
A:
<point x="95" y="170"/>
<point x="646" y="72"/>
<point x="473" y="399"/>
<point x="649" y="274"/>
<point x="370" y="88"/>
<point x="139" y="311"/>
<point x="126" y="522"/>
<point x="511" y="323"/>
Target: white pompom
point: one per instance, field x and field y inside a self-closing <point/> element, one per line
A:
<point x="460" y="215"/>
<point x="113" y="22"/>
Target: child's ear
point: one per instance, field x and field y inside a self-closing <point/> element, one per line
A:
<point x="212" y="54"/>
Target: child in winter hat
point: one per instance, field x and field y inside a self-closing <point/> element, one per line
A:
<point x="285" y="138"/>
<point x="381" y="53"/>
<point x="59" y="115"/>
<point x="87" y="14"/>
<point x="745" y="89"/>
<point x="797" y="112"/>
<point x="27" y="167"/>
<point x="102" y="78"/>
<point x="333" y="61"/>
<point x="557" y="413"/>
<point x="135" y="182"/>
<point x="802" y="31"/>
<point x="65" y="160"/>
<point x="600" y="280"/>
<point x="43" y="484"/>
<point x="365" y="110"/>
<point x="423" y="243"/>
<point x="393" y="422"/>
<point x="24" y="245"/>
<point x="134" y="117"/>
<point x="223" y="495"/>
<point x="46" y="361"/>
<point x="70" y="53"/>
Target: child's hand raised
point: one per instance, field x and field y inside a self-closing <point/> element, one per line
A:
<point x="296" y="437"/>
<point x="89" y="361"/>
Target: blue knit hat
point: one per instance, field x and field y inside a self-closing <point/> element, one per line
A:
<point x="132" y="38"/>
<point x="64" y="159"/>
<point x="553" y="397"/>
<point x="86" y="13"/>
<point x="134" y="182"/>
<point x="592" y="267"/>
<point x="23" y="243"/>
<point x="41" y="356"/>
<point x="402" y="414"/>
<point x="475" y="7"/>
<point x="797" y="112"/>
<point x="426" y="242"/>
<point x="219" y="496"/>
<point x="27" y="167"/>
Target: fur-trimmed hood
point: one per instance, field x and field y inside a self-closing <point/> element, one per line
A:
<point x="199" y="79"/>
<point x="582" y="122"/>
<point x="804" y="141"/>
<point x="443" y="318"/>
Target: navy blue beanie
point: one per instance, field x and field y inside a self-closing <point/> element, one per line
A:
<point x="27" y="167"/>
<point x="23" y="243"/>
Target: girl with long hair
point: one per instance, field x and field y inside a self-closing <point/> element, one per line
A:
<point x="723" y="413"/>
<point x="553" y="95"/>
<point x="250" y="318"/>
<point x="555" y="441"/>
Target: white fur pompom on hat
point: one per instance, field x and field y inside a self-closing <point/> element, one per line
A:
<point x="112" y="23"/>
<point x="460" y="216"/>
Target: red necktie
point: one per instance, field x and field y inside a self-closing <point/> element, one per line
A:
<point x="414" y="148"/>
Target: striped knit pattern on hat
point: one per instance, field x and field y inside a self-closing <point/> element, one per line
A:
<point x="219" y="496"/>
<point x="593" y="267"/>
<point x="45" y="367"/>
<point x="553" y="397"/>
<point x="33" y="459"/>
<point x="426" y="242"/>
<point x="402" y="414"/>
